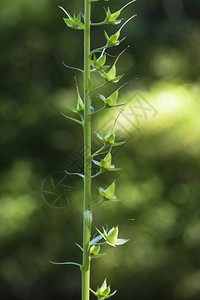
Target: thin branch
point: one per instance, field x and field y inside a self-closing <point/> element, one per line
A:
<point x="98" y="203"/>
<point x="69" y="67"/>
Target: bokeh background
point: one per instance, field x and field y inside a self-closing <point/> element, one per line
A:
<point x="160" y="122"/>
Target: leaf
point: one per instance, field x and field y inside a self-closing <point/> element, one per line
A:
<point x="111" y="294"/>
<point x="65" y="263"/>
<point x="88" y="218"/>
<point x="99" y="136"/>
<point x="73" y="109"/>
<point x="102" y="97"/>
<point x="78" y="174"/>
<point x="118" y="143"/>
<point x="96" y="162"/>
<point x="116" y="79"/>
<point x="121" y="241"/>
<point x="111" y="74"/>
<point x="69" y="23"/>
<point x="89" y="86"/>
<point x="79" y="246"/>
<point x="103" y="286"/>
<point x="112" y="169"/>
<point x="99" y="255"/>
<point x="95" y="240"/>
<point x="101" y="60"/>
<point x="80" y="24"/>
<point x="75" y="120"/>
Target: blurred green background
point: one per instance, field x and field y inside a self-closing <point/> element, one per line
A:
<point x="160" y="122"/>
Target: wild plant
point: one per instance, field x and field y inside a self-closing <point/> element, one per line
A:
<point x="95" y="61"/>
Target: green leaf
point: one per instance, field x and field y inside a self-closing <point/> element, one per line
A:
<point x="89" y="86"/>
<point x="119" y="242"/>
<point x="112" y="99"/>
<point x="102" y="97"/>
<point x="116" y="79"/>
<point x="80" y="24"/>
<point x="65" y="263"/>
<point x="95" y="240"/>
<point x="112" y="235"/>
<point x="95" y="249"/>
<point x="109" y="192"/>
<point x="70" y="23"/>
<point x="101" y="60"/>
<point x="111" y="294"/>
<point x="106" y="291"/>
<point x="88" y="217"/>
<point x="99" y="255"/>
<point x="99" y="136"/>
<point x="79" y="246"/>
<point x="118" y="143"/>
<point x="106" y="162"/>
<point x="111" y="74"/>
<point x="113" y="169"/>
<point x="78" y="174"/>
<point x="103" y="286"/>
<point x="75" y="120"/>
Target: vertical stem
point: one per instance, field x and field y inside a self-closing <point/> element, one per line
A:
<point x="87" y="157"/>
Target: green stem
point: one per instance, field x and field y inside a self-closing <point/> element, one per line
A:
<point x="99" y="24"/>
<point x="98" y="203"/>
<point x="87" y="157"/>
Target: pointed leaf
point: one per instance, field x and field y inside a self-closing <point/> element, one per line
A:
<point x="65" y="263"/>
<point x="78" y="174"/>
<point x="111" y="294"/>
<point x="75" y="120"/>
<point x="121" y="241"/>
<point x="79" y="246"/>
<point x="80" y="24"/>
<point x="99" y="255"/>
<point x="96" y="240"/>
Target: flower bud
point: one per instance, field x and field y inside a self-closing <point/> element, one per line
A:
<point x="94" y="249"/>
<point x="106" y="162"/>
<point x="112" y="99"/>
<point x="108" y="194"/>
<point x="112" y="235"/>
<point x="110" y="136"/>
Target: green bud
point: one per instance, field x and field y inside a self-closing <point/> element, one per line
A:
<point x="94" y="249"/>
<point x="106" y="162"/>
<point x="112" y="235"/>
<point x="113" y="39"/>
<point x="109" y="192"/>
<point x="106" y="292"/>
<point x="111" y="74"/>
<point x="110" y="136"/>
<point x="103" y="286"/>
<point x="74" y="22"/>
<point x="80" y="104"/>
<point x="111" y="18"/>
<point x="101" y="60"/>
<point x="112" y="99"/>
<point x="103" y="292"/>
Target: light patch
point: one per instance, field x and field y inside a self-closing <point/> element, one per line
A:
<point x="167" y="102"/>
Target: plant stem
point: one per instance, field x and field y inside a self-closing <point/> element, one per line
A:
<point x="87" y="157"/>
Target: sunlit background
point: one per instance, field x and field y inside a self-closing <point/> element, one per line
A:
<point x="160" y="122"/>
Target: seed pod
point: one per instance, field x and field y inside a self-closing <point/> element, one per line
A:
<point x="112" y="99"/>
<point x="106" y="162"/>
<point x="80" y="104"/>
<point x="110" y="136"/>
<point x="111" y="18"/>
<point x="94" y="249"/>
<point x="112" y="235"/>
<point x="108" y="194"/>
<point x="113" y="39"/>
